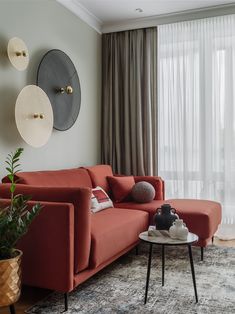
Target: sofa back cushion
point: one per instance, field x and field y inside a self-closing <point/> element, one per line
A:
<point x="99" y="174"/>
<point x="76" y="177"/>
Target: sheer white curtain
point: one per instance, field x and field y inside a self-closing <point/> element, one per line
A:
<point x="196" y="115"/>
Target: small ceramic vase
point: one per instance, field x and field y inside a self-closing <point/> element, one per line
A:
<point x="178" y="230"/>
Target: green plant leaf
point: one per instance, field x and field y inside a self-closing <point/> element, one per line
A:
<point x="8" y="169"/>
<point x="12" y="188"/>
<point x="8" y="162"/>
<point x="16" y="218"/>
<point x="16" y="166"/>
<point x="11" y="177"/>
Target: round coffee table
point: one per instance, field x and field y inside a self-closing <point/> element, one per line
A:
<point x="166" y="240"/>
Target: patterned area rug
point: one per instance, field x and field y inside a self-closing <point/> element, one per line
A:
<point x="120" y="287"/>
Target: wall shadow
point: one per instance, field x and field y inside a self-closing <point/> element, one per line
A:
<point x="35" y="59"/>
<point x="8" y="130"/>
<point x="4" y="61"/>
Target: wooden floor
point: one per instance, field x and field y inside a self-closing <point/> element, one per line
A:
<point x="30" y="295"/>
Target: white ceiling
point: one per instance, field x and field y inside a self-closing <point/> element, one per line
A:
<point x="117" y="15"/>
<point x="112" y="11"/>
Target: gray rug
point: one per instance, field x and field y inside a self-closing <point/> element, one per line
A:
<point x="120" y="287"/>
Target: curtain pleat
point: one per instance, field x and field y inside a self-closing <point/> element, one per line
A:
<point x="129" y="101"/>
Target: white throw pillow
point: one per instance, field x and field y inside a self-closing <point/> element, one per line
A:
<point x="100" y="200"/>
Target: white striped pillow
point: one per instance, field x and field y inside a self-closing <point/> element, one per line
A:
<point x="100" y="200"/>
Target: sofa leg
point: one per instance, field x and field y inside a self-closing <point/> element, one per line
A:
<point x="212" y="240"/>
<point x="202" y="253"/>
<point x="137" y="250"/>
<point x="65" y="302"/>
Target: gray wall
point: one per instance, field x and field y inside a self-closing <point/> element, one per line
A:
<point x="45" y="25"/>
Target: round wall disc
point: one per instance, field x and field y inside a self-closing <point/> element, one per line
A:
<point x="34" y="116"/>
<point x="18" y="53"/>
<point x="58" y="77"/>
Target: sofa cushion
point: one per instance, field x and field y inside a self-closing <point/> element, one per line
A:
<point x="99" y="174"/>
<point x="150" y="208"/>
<point x="201" y="217"/>
<point x="113" y="230"/>
<point x="76" y="177"/>
<point x="121" y="187"/>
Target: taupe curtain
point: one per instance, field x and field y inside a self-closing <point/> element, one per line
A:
<point x="129" y="101"/>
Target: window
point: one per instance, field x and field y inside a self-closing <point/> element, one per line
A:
<point x="196" y="110"/>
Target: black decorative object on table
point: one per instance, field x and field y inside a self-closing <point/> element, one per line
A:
<point x="164" y="217"/>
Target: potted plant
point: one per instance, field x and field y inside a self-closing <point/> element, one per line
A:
<point x="15" y="219"/>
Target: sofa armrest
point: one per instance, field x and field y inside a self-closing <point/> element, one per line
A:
<point x="80" y="198"/>
<point x="157" y="183"/>
<point x="48" y="248"/>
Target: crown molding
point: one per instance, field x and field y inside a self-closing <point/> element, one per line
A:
<point x="151" y="21"/>
<point x="169" y="18"/>
<point x="83" y="14"/>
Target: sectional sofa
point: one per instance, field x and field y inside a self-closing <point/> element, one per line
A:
<point x="67" y="243"/>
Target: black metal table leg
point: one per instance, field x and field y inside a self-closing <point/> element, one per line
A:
<point x="202" y="253"/>
<point x="148" y="272"/>
<point x="12" y="309"/>
<point x="163" y="263"/>
<point x="192" y="270"/>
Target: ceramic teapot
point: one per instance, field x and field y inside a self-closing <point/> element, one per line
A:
<point x="164" y="217"/>
<point x="178" y="230"/>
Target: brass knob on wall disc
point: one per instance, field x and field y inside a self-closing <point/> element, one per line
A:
<point x="38" y="115"/>
<point x="21" y="54"/>
<point x="69" y="89"/>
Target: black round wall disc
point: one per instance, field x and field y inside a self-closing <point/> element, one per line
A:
<point x="58" y="77"/>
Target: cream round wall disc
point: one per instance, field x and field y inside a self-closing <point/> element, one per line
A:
<point x="18" y="53"/>
<point x="34" y="116"/>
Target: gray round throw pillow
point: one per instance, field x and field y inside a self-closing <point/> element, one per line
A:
<point x="143" y="192"/>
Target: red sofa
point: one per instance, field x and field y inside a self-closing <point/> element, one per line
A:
<point x="67" y="244"/>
